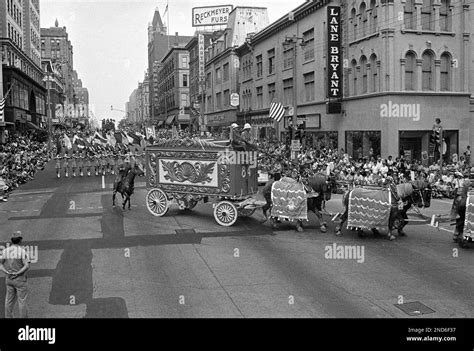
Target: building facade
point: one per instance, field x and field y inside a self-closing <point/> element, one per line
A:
<point x="405" y="64"/>
<point x="173" y="88"/>
<point x="21" y="71"/>
<point x="222" y="65"/>
<point x="159" y="43"/>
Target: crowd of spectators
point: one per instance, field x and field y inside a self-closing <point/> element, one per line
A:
<point x="20" y="158"/>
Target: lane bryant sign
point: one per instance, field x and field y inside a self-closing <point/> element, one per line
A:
<point x="334" y="53"/>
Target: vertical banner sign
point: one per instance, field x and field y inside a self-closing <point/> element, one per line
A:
<point x="334" y="53"/>
<point x="201" y="61"/>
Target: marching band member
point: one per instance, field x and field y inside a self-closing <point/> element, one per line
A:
<point x="96" y="162"/>
<point x="89" y="160"/>
<point x="58" y="166"/>
<point x="103" y="162"/>
<point x="66" y="164"/>
<point x="74" y="163"/>
<point x="80" y="162"/>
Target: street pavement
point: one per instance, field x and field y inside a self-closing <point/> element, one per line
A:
<point x="96" y="261"/>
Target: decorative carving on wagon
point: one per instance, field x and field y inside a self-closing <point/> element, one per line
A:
<point x="186" y="171"/>
<point x="195" y="144"/>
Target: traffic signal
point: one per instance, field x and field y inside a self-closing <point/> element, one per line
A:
<point x="298" y="134"/>
<point x="438" y="136"/>
<point x="433" y="138"/>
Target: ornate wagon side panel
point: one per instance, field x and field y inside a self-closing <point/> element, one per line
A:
<point x="469" y="219"/>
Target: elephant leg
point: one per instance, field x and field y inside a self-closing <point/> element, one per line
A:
<point x="323" y="224"/>
<point x="299" y="226"/>
<point x="113" y="198"/>
<point x="341" y="224"/>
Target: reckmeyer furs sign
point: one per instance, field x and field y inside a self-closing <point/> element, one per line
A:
<point x="211" y="15"/>
<point x="334" y="52"/>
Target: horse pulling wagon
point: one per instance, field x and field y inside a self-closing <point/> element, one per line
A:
<point x="186" y="171"/>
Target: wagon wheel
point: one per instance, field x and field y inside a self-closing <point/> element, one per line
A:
<point x="225" y="213"/>
<point x="157" y="202"/>
<point x="246" y="212"/>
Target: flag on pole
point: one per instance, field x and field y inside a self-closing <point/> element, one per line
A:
<point x="111" y="139"/>
<point x="100" y="138"/>
<point x="118" y="137"/>
<point x="2" y="105"/>
<point x="127" y="139"/>
<point x="79" y="142"/>
<point x="277" y="111"/>
<point x="166" y="10"/>
<point x="67" y="142"/>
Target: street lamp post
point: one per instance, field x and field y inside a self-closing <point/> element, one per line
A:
<point x="293" y="41"/>
<point x="48" y="80"/>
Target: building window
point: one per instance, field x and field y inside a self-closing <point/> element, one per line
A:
<point x="410" y="67"/>
<point x="185" y="80"/>
<point x="363" y="19"/>
<point x="259" y="66"/>
<point x="226" y="97"/>
<point x="259" y="97"/>
<point x="322" y="140"/>
<point x="354" y="23"/>
<point x="361" y="144"/>
<point x="373" y="16"/>
<point x="374" y="73"/>
<point x="271" y="61"/>
<point x="208" y="81"/>
<point x="427" y="15"/>
<point x="288" y="58"/>
<point x="218" y="75"/>
<point x="219" y="100"/>
<point x="271" y="92"/>
<point x="309" y="86"/>
<point x="363" y="71"/>
<point x="209" y="104"/>
<point x="410" y="15"/>
<point x="308" y="50"/>
<point x="354" y="77"/>
<point x="226" y="72"/>
<point x="445" y="83"/>
<point x="427" y="70"/>
<point x="288" y="91"/>
<point x="444" y="19"/>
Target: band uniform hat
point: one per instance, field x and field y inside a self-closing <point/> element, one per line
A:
<point x="234" y="125"/>
<point x="247" y="126"/>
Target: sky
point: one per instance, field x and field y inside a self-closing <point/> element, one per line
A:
<point x="110" y="38"/>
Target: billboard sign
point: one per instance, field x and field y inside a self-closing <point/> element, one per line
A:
<point x="211" y="15"/>
<point x="334" y="55"/>
<point x="202" y="75"/>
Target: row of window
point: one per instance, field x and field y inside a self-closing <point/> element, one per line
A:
<point x="427" y="16"/>
<point x="363" y="22"/>
<point x="222" y="74"/>
<point x="14" y="35"/>
<point x="15" y="12"/>
<point x="428" y="72"/>
<point x="364" y="75"/>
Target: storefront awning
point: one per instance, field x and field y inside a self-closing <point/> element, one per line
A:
<point x="170" y="119"/>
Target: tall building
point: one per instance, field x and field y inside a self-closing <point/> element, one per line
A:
<point x="158" y="45"/>
<point x="405" y="63"/>
<point x="173" y="88"/>
<point x="55" y="86"/>
<point x="21" y="72"/>
<point x="31" y="30"/>
<point x="56" y="46"/>
<point x="222" y="64"/>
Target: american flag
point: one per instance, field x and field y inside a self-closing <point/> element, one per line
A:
<point x="277" y="111"/>
<point x="2" y="106"/>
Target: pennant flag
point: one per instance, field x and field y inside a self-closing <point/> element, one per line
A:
<point x="150" y="132"/>
<point x="111" y="139"/>
<point x="100" y="138"/>
<point x="67" y="142"/>
<point x="79" y="142"/>
<point x="136" y="140"/>
<point x="166" y="10"/>
<point x="277" y="111"/>
<point x="127" y="139"/>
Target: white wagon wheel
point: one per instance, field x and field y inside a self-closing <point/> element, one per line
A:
<point x="157" y="202"/>
<point x="246" y="212"/>
<point x="225" y="213"/>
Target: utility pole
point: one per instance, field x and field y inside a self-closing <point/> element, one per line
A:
<point x="293" y="41"/>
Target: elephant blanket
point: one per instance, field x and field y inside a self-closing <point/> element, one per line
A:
<point x="289" y="200"/>
<point x="369" y="208"/>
